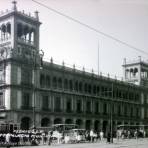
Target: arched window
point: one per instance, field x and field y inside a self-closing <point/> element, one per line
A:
<point x="3" y="28"/>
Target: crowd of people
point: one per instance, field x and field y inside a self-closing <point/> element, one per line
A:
<point x="43" y="138"/>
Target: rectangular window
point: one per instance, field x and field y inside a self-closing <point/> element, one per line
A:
<point x="57" y="104"/>
<point x="45" y="103"/>
<point x="26" y="76"/>
<point x="26" y="101"/>
<point x="104" y="108"/>
<point x="96" y="107"/>
<point x="88" y="107"/>
<point x="68" y="106"/>
<point x="79" y="104"/>
<point x="125" y="111"/>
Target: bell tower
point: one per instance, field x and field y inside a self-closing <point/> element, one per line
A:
<point x="19" y="57"/>
<point x="136" y="72"/>
<point x="19" y="33"/>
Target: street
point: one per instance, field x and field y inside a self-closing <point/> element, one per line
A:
<point x="132" y="143"/>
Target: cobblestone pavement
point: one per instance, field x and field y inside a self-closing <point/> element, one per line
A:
<point x="132" y="143"/>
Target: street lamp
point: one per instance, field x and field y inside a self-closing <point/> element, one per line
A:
<point x="37" y="62"/>
<point x="111" y="114"/>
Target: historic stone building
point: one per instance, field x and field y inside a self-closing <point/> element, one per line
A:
<point x="39" y="93"/>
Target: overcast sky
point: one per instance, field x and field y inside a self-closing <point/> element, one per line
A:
<point x="63" y="39"/>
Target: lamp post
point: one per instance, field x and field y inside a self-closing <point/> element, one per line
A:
<point x="37" y="56"/>
<point x="111" y="113"/>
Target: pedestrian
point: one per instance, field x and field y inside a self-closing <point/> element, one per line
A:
<point x="136" y="134"/>
<point x="101" y="135"/>
<point x="91" y="135"/>
<point x="8" y="140"/>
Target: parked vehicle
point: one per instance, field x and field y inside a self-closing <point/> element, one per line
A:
<point x="75" y="136"/>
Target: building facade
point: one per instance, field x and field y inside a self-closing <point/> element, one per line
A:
<point x="39" y="93"/>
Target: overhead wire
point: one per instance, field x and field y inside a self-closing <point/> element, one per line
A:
<point x="91" y="28"/>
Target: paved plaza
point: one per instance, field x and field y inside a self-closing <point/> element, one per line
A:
<point x="132" y="143"/>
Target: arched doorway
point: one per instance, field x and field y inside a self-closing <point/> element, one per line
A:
<point x="79" y="122"/>
<point x="88" y="124"/>
<point x="96" y="125"/>
<point x="57" y="121"/>
<point x="45" y="122"/>
<point x="68" y="121"/>
<point x="25" y="123"/>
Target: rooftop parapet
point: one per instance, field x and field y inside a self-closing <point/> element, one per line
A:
<point x="14" y="9"/>
<point x="136" y="61"/>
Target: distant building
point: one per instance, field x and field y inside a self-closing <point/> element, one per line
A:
<point x="33" y="96"/>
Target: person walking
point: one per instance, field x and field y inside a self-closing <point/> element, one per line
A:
<point x="8" y="135"/>
<point x="101" y="135"/>
<point x="91" y="135"/>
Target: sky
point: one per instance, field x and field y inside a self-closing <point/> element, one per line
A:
<point x="68" y="41"/>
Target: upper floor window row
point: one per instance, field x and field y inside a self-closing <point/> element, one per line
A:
<point x="47" y="81"/>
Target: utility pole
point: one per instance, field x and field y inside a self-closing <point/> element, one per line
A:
<point x="98" y="58"/>
<point x="111" y="113"/>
